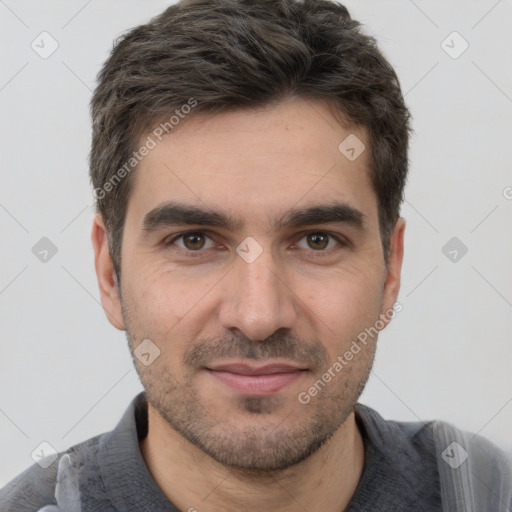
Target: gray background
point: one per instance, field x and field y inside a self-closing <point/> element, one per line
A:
<point x="66" y="374"/>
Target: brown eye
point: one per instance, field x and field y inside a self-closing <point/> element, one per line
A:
<point x="322" y="242"/>
<point x="318" y="241"/>
<point x="193" y="241"/>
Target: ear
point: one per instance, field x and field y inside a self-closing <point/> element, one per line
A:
<point x="107" y="279"/>
<point x="394" y="270"/>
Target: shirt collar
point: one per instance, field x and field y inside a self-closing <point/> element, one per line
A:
<point x="393" y="477"/>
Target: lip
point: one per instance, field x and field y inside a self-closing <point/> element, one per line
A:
<point x="246" y="369"/>
<point x="256" y="380"/>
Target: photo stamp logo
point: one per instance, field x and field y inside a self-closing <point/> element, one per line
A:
<point x="454" y="455"/>
<point x="44" y="250"/>
<point x="44" y="454"/>
<point x="454" y="45"/>
<point x="454" y="249"/>
<point x="44" y="45"/>
<point x="352" y="147"/>
<point x="146" y="352"/>
<point x="249" y="249"/>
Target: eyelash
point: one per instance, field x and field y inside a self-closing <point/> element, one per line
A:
<point x="200" y="252"/>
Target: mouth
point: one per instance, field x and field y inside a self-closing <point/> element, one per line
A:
<point x="254" y="380"/>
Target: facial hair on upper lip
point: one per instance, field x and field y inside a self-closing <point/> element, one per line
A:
<point x="278" y="346"/>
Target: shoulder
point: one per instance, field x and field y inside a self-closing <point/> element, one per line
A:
<point x="396" y="438"/>
<point x="474" y="473"/>
<point x="35" y="487"/>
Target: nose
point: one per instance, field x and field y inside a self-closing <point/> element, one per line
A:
<point x="257" y="300"/>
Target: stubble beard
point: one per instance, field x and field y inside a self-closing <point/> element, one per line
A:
<point x="276" y="440"/>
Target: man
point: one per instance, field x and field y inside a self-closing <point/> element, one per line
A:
<point x="248" y="161"/>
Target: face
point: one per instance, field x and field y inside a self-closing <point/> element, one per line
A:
<point x="252" y="261"/>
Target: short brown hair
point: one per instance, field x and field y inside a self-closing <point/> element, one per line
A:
<point x="235" y="54"/>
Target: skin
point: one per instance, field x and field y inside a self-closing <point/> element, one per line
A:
<point x="209" y="447"/>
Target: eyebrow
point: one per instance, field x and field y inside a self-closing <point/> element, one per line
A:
<point x="175" y="213"/>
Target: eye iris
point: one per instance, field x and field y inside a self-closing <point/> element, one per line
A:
<point x="318" y="238"/>
<point x="191" y="241"/>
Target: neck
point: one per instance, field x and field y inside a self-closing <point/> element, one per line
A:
<point x="192" y="480"/>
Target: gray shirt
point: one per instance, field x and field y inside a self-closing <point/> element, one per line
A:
<point x="409" y="466"/>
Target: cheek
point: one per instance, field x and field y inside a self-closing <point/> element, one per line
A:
<point x="165" y="305"/>
<point x="347" y="291"/>
<point x="342" y="307"/>
<point x="164" y="293"/>
<point x="151" y="304"/>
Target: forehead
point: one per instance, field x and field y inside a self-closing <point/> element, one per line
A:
<point x="258" y="163"/>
